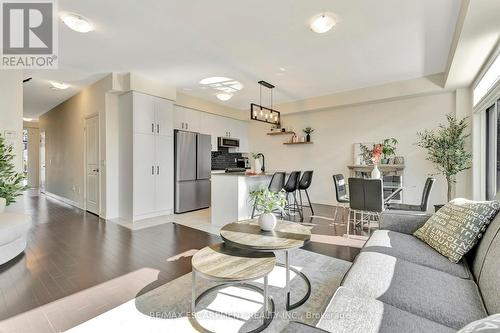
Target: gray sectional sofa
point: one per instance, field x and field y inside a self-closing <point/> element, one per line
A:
<point x="400" y="284"/>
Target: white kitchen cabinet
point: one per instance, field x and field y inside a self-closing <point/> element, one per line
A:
<point x="164" y="195"/>
<point x="144" y="117"/>
<point x="144" y="174"/>
<point x="146" y="168"/>
<point x="164" y="113"/>
<point x="187" y="119"/>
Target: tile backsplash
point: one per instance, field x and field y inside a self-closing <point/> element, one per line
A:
<point x="223" y="159"/>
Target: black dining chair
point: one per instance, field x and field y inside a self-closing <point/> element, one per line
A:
<point x="304" y="184"/>
<point x="340" y="194"/>
<point x="366" y="198"/>
<point x="275" y="185"/>
<point x="291" y="187"/>
<point x="424" y="203"/>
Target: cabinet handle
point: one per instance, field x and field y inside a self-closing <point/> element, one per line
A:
<point x="157" y="128"/>
<point x="182" y="125"/>
<point x="153" y="170"/>
<point x="157" y="169"/>
<point x="152" y="128"/>
<point x="187" y="125"/>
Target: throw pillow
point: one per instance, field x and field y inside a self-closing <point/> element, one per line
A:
<point x="489" y="324"/>
<point x="455" y="229"/>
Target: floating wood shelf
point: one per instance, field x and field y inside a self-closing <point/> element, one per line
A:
<point x="281" y="133"/>
<point x="298" y="143"/>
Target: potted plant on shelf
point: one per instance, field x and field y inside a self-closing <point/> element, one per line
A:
<point x="388" y="149"/>
<point x="446" y="149"/>
<point x="267" y="202"/>
<point x="308" y="130"/>
<point x="11" y="182"/>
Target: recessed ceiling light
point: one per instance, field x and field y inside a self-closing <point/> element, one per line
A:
<point x="322" y="23"/>
<point x="28" y="119"/>
<point x="214" y="79"/>
<point x="77" y="22"/>
<point x="59" y="85"/>
<point x="224" y="96"/>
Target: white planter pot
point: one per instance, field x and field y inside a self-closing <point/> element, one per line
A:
<point x="375" y="172"/>
<point x="3" y="202"/>
<point x="267" y="221"/>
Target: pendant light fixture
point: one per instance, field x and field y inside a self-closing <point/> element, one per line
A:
<point x="259" y="112"/>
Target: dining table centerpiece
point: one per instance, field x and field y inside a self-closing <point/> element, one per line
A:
<point x="267" y="202"/>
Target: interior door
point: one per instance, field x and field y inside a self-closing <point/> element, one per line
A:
<point x="164" y="199"/>
<point x="92" y="164"/>
<point x="144" y="174"/>
<point x="42" y="162"/>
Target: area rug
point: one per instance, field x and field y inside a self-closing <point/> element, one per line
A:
<point x="231" y="309"/>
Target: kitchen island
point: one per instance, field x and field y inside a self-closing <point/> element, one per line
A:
<point x="231" y="195"/>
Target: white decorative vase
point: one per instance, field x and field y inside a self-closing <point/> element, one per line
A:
<point x="375" y="172"/>
<point x="3" y="202"/>
<point x="267" y="221"/>
<point x="258" y="166"/>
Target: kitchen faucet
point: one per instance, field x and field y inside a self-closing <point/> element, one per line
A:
<point x="263" y="168"/>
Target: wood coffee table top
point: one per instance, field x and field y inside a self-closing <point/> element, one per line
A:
<point x="221" y="262"/>
<point x="248" y="235"/>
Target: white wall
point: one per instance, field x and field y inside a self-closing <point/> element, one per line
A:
<point x="337" y="129"/>
<point x="64" y="127"/>
<point x="11" y="110"/>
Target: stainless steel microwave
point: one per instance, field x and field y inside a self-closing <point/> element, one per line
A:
<point x="229" y="142"/>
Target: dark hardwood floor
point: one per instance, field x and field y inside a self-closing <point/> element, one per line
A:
<point x="70" y="251"/>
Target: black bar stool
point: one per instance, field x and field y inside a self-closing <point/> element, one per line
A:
<point x="291" y="186"/>
<point x="275" y="185"/>
<point x="304" y="184"/>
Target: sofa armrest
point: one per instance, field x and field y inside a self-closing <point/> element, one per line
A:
<point x="404" y="222"/>
<point x="298" y="327"/>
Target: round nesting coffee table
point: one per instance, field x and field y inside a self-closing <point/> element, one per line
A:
<point x="286" y="236"/>
<point x="227" y="265"/>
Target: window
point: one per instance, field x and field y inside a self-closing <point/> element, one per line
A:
<point x="488" y="81"/>
<point x="492" y="150"/>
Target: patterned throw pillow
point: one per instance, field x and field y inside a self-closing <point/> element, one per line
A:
<point x="455" y="229"/>
<point x="489" y="324"/>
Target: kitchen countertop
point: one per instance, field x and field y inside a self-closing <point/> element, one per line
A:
<point x="242" y="174"/>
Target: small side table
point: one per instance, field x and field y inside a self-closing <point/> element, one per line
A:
<point x="229" y="265"/>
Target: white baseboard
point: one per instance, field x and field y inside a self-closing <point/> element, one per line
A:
<point x="63" y="199"/>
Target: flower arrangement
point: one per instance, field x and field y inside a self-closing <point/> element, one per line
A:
<point x="377" y="153"/>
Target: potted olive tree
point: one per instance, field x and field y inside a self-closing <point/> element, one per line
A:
<point x="446" y="148"/>
<point x="11" y="182"/>
<point x="267" y="202"/>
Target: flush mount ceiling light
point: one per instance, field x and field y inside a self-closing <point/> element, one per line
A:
<point x="322" y="23"/>
<point x="77" y="22"/>
<point x="223" y="86"/>
<point x="224" y="96"/>
<point x="58" y="85"/>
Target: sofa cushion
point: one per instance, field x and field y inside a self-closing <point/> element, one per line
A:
<point x="13" y="226"/>
<point x="348" y="312"/>
<point x="455" y="229"/>
<point x="421" y="290"/>
<point x="412" y="249"/>
<point x="489" y="324"/>
<point x="477" y="260"/>
<point x="489" y="279"/>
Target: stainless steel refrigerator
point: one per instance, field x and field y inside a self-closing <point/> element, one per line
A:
<point x="193" y="167"/>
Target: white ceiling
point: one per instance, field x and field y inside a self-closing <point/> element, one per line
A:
<point x="181" y="42"/>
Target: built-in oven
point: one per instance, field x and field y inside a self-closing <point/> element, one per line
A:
<point x="229" y="142"/>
